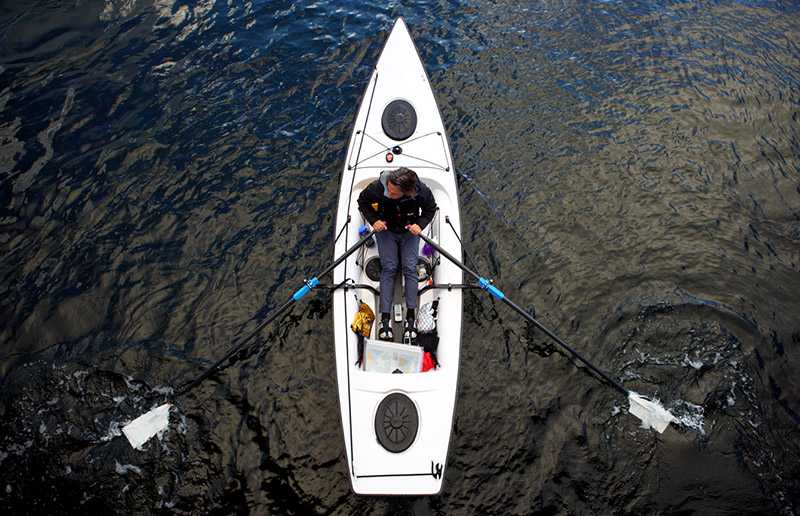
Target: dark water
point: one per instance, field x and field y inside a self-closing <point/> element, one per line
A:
<point x="629" y="171"/>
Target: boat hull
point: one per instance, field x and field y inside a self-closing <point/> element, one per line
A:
<point x="368" y="399"/>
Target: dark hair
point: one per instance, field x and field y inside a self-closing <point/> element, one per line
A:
<point x="405" y="179"/>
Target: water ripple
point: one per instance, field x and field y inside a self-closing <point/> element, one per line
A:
<point x="628" y="172"/>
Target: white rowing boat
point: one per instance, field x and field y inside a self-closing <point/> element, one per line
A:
<point x="397" y="426"/>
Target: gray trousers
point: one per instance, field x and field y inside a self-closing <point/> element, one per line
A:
<point x="398" y="249"/>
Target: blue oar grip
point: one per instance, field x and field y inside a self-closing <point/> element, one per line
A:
<point x="313" y="282"/>
<point x="486" y="285"/>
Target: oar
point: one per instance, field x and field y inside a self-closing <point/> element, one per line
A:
<point x="147" y="425"/>
<point x="651" y="413"/>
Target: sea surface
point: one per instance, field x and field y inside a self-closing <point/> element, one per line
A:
<point x="628" y="171"/>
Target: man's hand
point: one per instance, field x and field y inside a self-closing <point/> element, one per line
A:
<point x="379" y="226"/>
<point x="414" y="229"/>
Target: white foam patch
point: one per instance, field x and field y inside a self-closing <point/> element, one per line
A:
<point x="697" y="364"/>
<point x="165" y="391"/>
<point x="113" y="430"/>
<point x="690" y="416"/>
<point x="126" y="468"/>
<point x="130" y="384"/>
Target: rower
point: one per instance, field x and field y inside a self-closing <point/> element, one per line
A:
<point x="398" y="206"/>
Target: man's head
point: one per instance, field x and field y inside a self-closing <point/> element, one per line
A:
<point x="402" y="181"/>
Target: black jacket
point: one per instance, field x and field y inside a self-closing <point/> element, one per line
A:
<point x="375" y="204"/>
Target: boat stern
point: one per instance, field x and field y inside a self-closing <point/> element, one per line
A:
<point x="402" y="431"/>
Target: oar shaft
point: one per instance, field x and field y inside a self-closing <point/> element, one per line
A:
<point x="309" y="284"/>
<point x="563" y="344"/>
<point x="485" y="284"/>
<point x="450" y="257"/>
<point x="347" y="253"/>
<point x="237" y="347"/>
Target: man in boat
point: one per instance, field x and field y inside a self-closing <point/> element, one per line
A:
<point x="398" y="206"/>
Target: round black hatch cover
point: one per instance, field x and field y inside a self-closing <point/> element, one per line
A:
<point x="399" y="120"/>
<point x="396" y="422"/>
<point x="373" y="268"/>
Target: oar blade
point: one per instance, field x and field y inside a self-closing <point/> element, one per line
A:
<point x="141" y="429"/>
<point x="651" y="413"/>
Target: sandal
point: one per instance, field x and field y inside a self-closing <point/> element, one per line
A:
<point x="410" y="331"/>
<point x="385" y="332"/>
